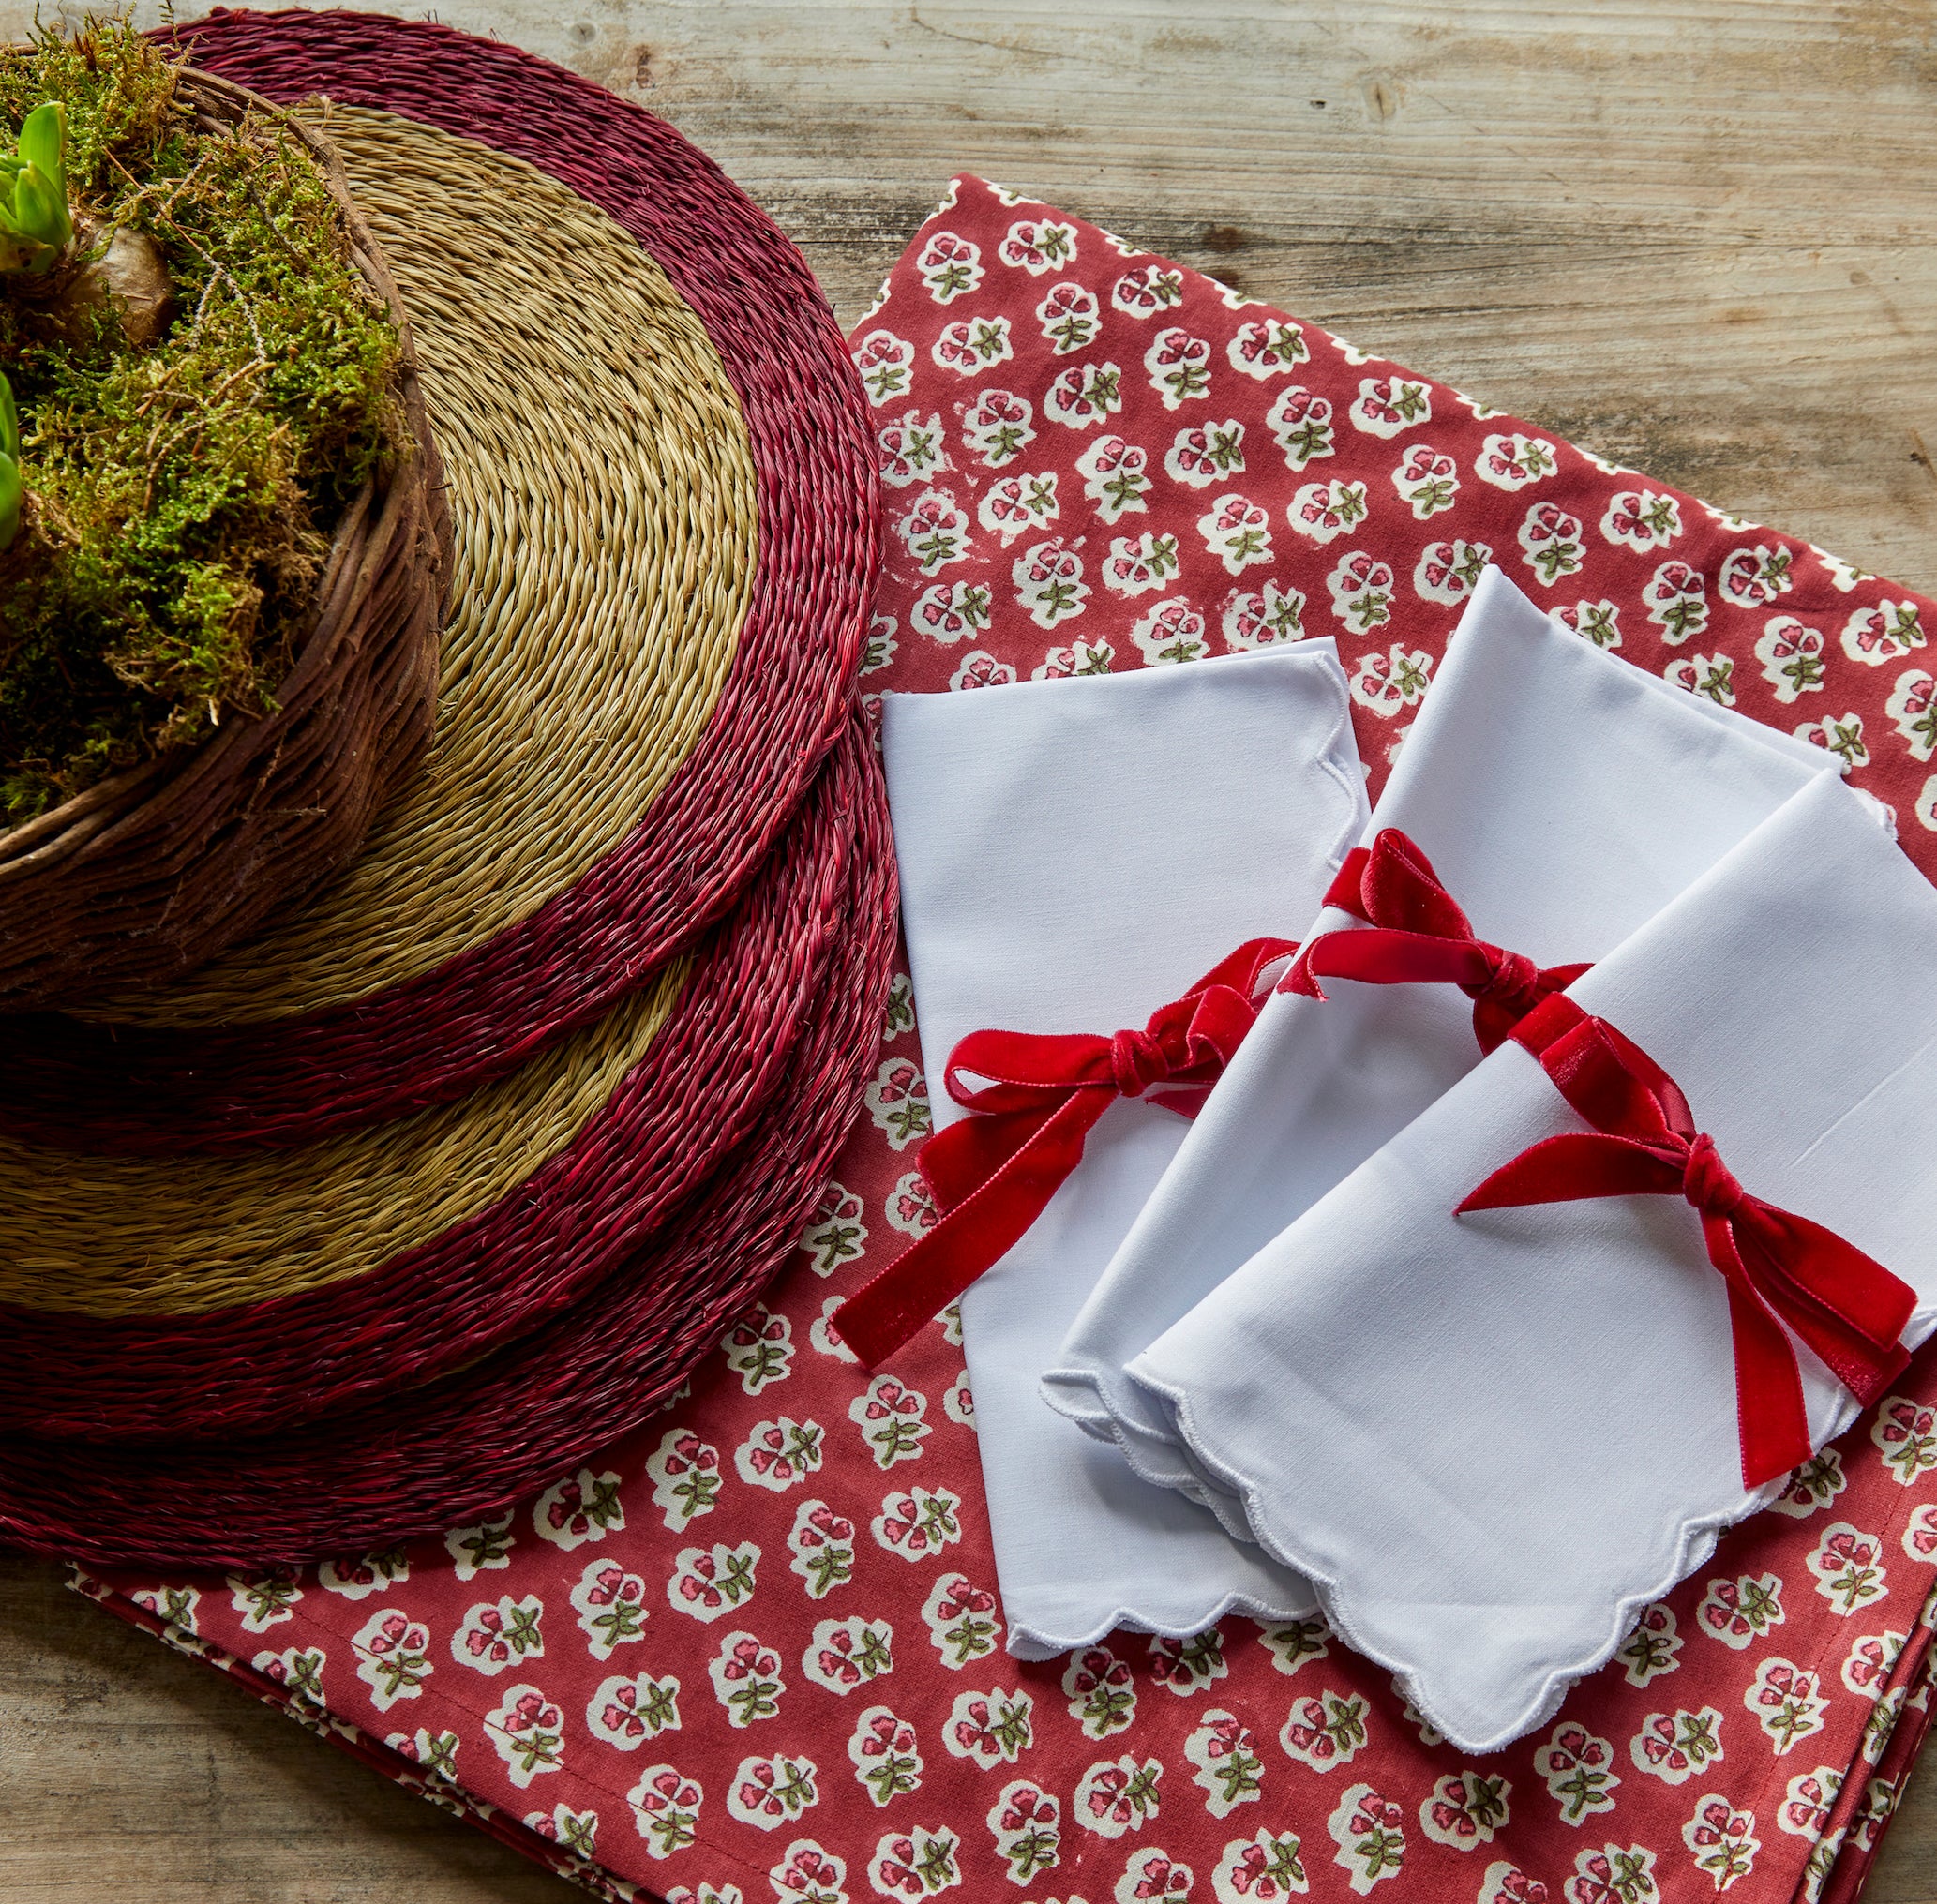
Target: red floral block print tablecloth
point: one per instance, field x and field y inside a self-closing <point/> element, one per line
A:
<point x="753" y="1655"/>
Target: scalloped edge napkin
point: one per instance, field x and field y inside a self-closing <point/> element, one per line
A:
<point x="1516" y="1427"/>
<point x="1073" y="854"/>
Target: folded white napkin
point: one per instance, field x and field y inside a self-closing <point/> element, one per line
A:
<point x="1493" y="1438"/>
<point x="1073" y="855"/>
<point x="1562" y="796"/>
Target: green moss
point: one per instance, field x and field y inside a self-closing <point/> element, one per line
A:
<point x="181" y="496"/>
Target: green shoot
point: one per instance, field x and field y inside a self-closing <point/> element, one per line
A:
<point x="36" y="227"/>
<point x="9" y="465"/>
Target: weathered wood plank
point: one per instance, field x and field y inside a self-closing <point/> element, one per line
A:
<point x="1692" y="235"/>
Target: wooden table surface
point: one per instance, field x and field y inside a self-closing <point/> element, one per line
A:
<point x="1695" y="236"/>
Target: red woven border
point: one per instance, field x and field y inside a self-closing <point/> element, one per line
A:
<point x="402" y="1465"/>
<point x="439" y="1036"/>
<point x="468" y="1291"/>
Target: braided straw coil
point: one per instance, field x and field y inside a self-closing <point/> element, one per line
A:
<point x="152" y="872"/>
<point x="432" y="1036"/>
<point x="398" y="1466"/>
<point x="687" y="1105"/>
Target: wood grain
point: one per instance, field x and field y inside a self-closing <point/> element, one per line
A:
<point x="1694" y="234"/>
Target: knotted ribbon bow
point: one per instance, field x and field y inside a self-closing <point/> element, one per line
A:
<point x="1040" y="1095"/>
<point x="1784" y="1273"/>
<point x="1418" y="936"/>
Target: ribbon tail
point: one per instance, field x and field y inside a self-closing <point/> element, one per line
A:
<point x="1771" y="1421"/>
<point x="1572" y="1168"/>
<point x="1845" y="1305"/>
<point x="957" y="1162"/>
<point x="942" y="1261"/>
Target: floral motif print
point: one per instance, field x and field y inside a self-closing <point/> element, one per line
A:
<point x="1273" y="615"/>
<point x="1578" y="1771"/>
<point x="897" y="1101"/>
<point x="1512" y="461"/>
<point x="685" y="1475"/>
<point x="1296" y="1644"/>
<point x="917" y="1525"/>
<point x="1446" y="571"/>
<point x="846" y="1655"/>
<point x="626" y="1711"/>
<point x="1263" y="1869"/>
<point x="1326" y="1730"/>
<point x="962" y="1620"/>
<point x="1848" y="1568"/>
<point x="822" y="1546"/>
<point x="1675" y="1745"/>
<point x="884" y="362"/>
<point x="1614" y="1874"/>
<point x="915" y="1863"/>
<point x="1905" y="1435"/>
<point x="1723" y="1840"/>
<point x="1650" y="1649"/>
<point x="1792" y="658"/>
<point x="1049" y="583"/>
<point x="747" y="1679"/>
<point x="887" y="1755"/>
<point x="1068" y="318"/>
<point x="1264" y="349"/>
<point x="393" y="1656"/>
<point x="1467" y="1810"/>
<point x="707" y="1582"/>
<point x="1369" y="1833"/>
<point x="949" y="266"/>
<point x="1385" y="406"/>
<point x="1179" y="367"/>
<point x="780" y="1453"/>
<point x="770" y="1792"/>
<point x="890" y="1416"/>
<point x="492" y="1636"/>
<point x="1172" y="631"/>
<point x="1145" y="292"/>
<point x="1025" y="1823"/>
<point x="611" y="1607"/>
<point x="1783" y="1699"/>
<point x="1228" y="1767"/>
<point x="1188" y="1665"/>
<point x="1116" y="1795"/>
<point x="971" y="345"/>
<point x="529" y="1733"/>
<point x="1300" y="426"/>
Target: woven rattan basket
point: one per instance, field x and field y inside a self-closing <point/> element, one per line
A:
<point x="150" y="873"/>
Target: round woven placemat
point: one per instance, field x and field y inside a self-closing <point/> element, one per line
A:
<point x="486" y="1008"/>
<point x="687" y="1105"/>
<point x="397" y="1467"/>
<point x="131" y="1236"/>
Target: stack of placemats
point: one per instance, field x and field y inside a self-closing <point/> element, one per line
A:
<point x="390" y="1215"/>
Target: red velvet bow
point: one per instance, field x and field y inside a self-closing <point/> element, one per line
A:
<point x="1783" y="1272"/>
<point x="1041" y="1094"/>
<point x="1419" y="936"/>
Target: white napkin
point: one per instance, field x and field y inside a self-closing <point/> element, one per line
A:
<point x="1075" y="854"/>
<point x="1563" y="797"/>
<point x="1515" y="1428"/>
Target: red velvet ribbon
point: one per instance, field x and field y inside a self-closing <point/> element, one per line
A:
<point x="1040" y="1095"/>
<point x="1418" y="936"/>
<point x="1785" y="1275"/>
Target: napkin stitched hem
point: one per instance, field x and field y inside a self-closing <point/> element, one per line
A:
<point x="1695" y="1542"/>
